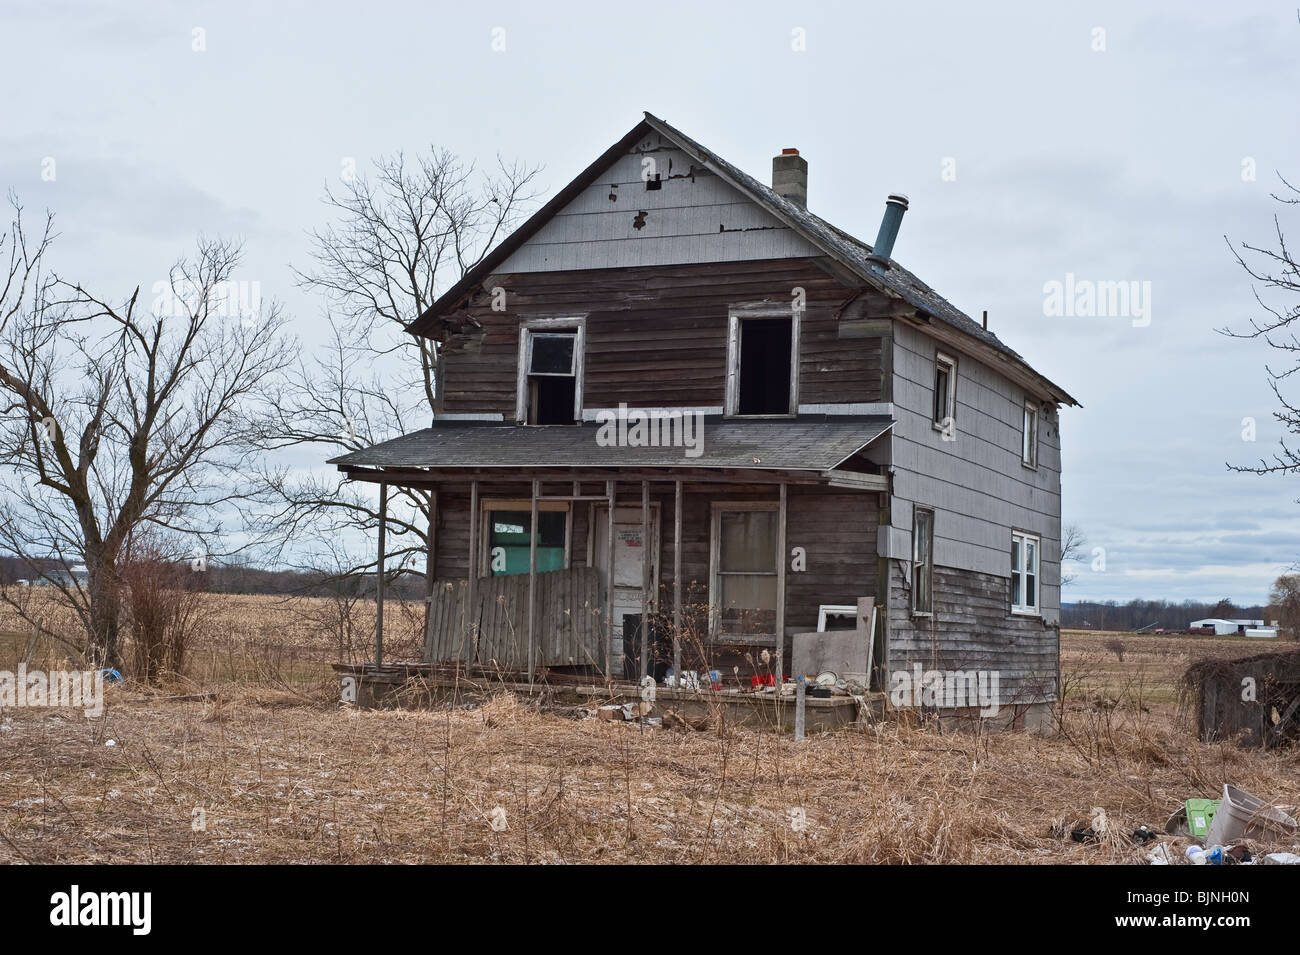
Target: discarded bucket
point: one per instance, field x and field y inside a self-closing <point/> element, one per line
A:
<point x="1243" y="816"/>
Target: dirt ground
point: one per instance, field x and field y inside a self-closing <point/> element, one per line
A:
<point x="268" y="768"/>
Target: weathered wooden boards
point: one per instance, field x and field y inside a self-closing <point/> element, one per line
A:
<point x="492" y="629"/>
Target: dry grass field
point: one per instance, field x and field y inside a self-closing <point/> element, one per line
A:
<point x="258" y="763"/>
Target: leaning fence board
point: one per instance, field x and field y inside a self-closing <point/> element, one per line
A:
<point x="566" y="601"/>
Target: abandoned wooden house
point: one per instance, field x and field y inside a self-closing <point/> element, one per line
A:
<point x="677" y="395"/>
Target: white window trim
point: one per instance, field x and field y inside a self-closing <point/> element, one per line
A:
<point x="488" y="505"/>
<point x="950" y="400"/>
<point x="835" y="610"/>
<point x="914" y="610"/>
<point x="760" y="310"/>
<point x="1029" y="412"/>
<point x="715" y="536"/>
<point x="577" y="323"/>
<point x="1029" y="610"/>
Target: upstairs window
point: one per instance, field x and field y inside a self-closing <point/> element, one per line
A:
<point x="1029" y="436"/>
<point x="922" y="561"/>
<point x="763" y="363"/>
<point x="945" y="391"/>
<point x="1024" y="573"/>
<point x="550" y="372"/>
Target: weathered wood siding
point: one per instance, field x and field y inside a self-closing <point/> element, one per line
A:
<point x="972" y="629"/>
<point x="837" y="532"/>
<point x="976" y="484"/>
<point x="657" y="337"/>
<point x="692" y="217"/>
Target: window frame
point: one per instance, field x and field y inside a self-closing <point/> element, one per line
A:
<point x="761" y="310"/>
<point x="1023" y="609"/>
<point x="716" y="510"/>
<point x="543" y="326"/>
<point x="1029" y="434"/>
<point x="950" y="400"/>
<point x="488" y="505"/>
<point x="919" y="611"/>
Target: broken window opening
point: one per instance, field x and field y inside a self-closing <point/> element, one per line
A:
<point x="766" y="354"/>
<point x="551" y="360"/>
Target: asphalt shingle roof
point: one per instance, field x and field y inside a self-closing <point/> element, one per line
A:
<point x="808" y="443"/>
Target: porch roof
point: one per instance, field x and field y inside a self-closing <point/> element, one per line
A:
<point x="807" y="443"/>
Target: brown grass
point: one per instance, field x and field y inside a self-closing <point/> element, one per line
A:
<point x="280" y="773"/>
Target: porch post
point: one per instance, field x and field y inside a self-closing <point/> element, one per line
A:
<point x="677" y="582"/>
<point x="532" y="580"/>
<point x="379" y="576"/>
<point x="645" y="578"/>
<point x="610" y="492"/>
<point x="471" y="586"/>
<point x="430" y="575"/>
<point x="780" y="592"/>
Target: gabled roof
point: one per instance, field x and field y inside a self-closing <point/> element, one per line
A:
<point x="808" y="443"/>
<point x="851" y="253"/>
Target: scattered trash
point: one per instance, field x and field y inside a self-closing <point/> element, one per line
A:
<point x="1244" y="816"/>
<point x="1143" y="834"/>
<point x="112" y="676"/>
<point x="1238" y="855"/>
<point x="110" y="742"/>
<point x="1281" y="858"/>
<point x="1160" y="855"/>
<point x="1200" y="813"/>
<point x="1199" y="856"/>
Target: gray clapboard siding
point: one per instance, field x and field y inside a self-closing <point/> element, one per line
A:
<point x="976" y="484"/>
<point x="693" y="217"/>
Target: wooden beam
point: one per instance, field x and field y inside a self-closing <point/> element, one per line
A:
<point x="430" y="576"/>
<point x="471" y="628"/>
<point x="780" y="591"/>
<point x="532" y="580"/>
<point x="379" y="576"/>
<point x="677" y="581"/>
<point x="610" y="493"/>
<point x="645" y="578"/>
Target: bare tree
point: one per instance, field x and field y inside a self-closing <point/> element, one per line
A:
<point x="1275" y="272"/>
<point x="1073" y="543"/>
<point x="400" y="236"/>
<point x="117" y="417"/>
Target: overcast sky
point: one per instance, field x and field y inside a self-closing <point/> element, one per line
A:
<point x="1108" y="141"/>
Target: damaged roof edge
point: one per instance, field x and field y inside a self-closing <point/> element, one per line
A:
<point x="837" y="244"/>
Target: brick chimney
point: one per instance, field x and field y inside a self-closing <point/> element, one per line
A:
<point x="790" y="177"/>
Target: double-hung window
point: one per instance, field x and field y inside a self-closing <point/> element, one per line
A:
<point x="944" y="411"/>
<point x="1029" y="436"/>
<point x="922" y="561"/>
<point x="1025" y="550"/>
<point x="744" y="568"/>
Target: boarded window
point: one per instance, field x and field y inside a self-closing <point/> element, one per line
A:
<point x="922" y="560"/>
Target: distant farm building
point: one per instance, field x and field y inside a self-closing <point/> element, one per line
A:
<point x="1240" y="628"/>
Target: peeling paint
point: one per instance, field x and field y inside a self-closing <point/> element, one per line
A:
<point x="638" y="223"/>
<point x="752" y="228"/>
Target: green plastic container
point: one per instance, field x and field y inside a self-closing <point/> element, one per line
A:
<point x="1199" y="814"/>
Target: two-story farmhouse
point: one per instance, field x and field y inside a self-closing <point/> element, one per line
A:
<point x="676" y="394"/>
